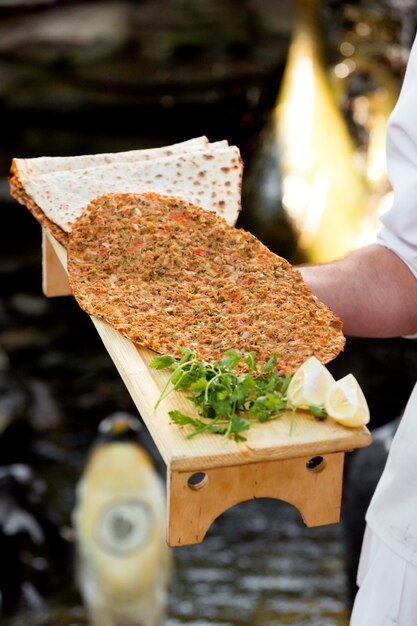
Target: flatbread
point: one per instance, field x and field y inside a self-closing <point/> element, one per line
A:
<point x="18" y="191"/>
<point x="39" y="166"/>
<point x="166" y="273"/>
<point x="210" y="176"/>
<point x="23" y="170"/>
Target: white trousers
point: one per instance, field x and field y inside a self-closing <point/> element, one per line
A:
<point x="387" y="587"/>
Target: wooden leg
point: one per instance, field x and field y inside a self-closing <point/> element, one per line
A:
<point x="54" y="277"/>
<point x="312" y="485"/>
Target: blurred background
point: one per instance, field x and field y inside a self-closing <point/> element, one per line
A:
<point x="304" y="89"/>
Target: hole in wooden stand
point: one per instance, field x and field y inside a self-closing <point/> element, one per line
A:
<point x="316" y="464"/>
<point x="197" y="481"/>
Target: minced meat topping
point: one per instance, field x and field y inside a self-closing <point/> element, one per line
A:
<point x="167" y="274"/>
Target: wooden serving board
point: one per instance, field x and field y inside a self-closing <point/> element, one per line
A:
<point x="300" y="463"/>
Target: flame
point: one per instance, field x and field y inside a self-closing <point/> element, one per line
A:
<point x="327" y="189"/>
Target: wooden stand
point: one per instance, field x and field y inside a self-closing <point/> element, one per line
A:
<point x="193" y="505"/>
<point x="300" y="463"/>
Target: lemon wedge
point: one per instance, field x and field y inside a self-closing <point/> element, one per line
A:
<point x="309" y="385"/>
<point x="346" y="403"/>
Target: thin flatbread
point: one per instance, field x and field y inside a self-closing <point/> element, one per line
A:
<point x="18" y="191"/>
<point x="168" y="274"/>
<point x="211" y="177"/>
<point x="23" y="171"/>
<point x="39" y="166"/>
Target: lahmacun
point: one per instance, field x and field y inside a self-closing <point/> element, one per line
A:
<point x="169" y="274"/>
<point x="57" y="189"/>
<point x="26" y="174"/>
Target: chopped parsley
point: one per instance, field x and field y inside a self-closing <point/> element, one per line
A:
<point x="228" y="401"/>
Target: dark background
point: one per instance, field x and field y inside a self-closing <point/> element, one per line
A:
<point x="88" y="77"/>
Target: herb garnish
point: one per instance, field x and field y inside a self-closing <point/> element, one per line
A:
<point x="227" y="401"/>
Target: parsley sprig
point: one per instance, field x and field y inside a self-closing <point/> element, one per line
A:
<point x="227" y="401"/>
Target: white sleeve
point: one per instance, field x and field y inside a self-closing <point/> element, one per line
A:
<point x="399" y="230"/>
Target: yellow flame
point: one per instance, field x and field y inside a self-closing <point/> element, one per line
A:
<point x="324" y="190"/>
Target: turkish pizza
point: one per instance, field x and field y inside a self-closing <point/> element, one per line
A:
<point x="56" y="189"/>
<point x="170" y="274"/>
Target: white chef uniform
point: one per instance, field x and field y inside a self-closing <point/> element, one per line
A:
<point x="388" y="569"/>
